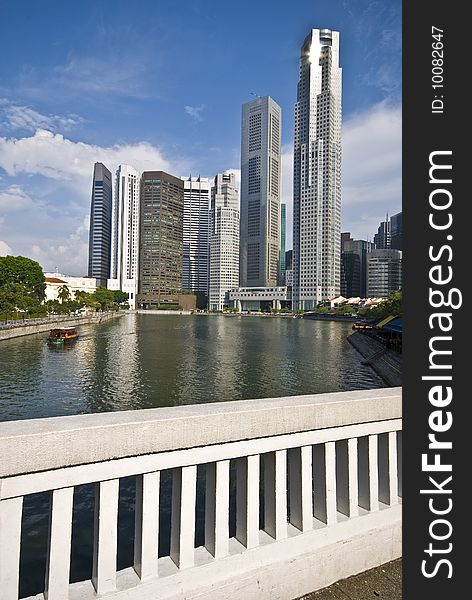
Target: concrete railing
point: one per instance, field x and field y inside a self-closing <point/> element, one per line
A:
<point x="320" y="472"/>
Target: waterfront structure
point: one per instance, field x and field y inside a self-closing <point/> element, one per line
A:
<point x="283" y="235"/>
<point x="195" y="260"/>
<point x="161" y="240"/>
<point x="54" y="281"/>
<point x="260" y="192"/>
<point x="382" y="237"/>
<point x="396" y="231"/>
<point x="263" y="298"/>
<point x="384" y="272"/>
<point x="100" y="224"/>
<point x="354" y="266"/>
<point x="317" y="172"/>
<point x="224" y="240"/>
<point x="331" y="462"/>
<point x="125" y="233"/>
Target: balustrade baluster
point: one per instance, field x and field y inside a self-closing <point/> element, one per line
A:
<point x="182" y="539"/>
<point x="217" y="508"/>
<point x="353" y="477"/>
<point x="10" y="539"/>
<point x="105" y="536"/>
<point x="247" y="500"/>
<point x="58" y="556"/>
<point x="330" y="471"/>
<point x="146" y="525"/>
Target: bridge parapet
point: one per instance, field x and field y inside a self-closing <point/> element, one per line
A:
<point x="314" y="483"/>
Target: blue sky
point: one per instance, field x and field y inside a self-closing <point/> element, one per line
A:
<point x="159" y="84"/>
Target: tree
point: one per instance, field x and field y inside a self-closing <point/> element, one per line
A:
<point x="25" y="273"/>
<point x="120" y="298"/>
<point x="104" y="297"/>
<point x="63" y="294"/>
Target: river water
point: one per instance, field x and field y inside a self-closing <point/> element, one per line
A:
<point x="144" y="361"/>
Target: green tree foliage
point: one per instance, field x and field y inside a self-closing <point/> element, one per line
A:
<point x="24" y="272"/>
<point x="22" y="285"/>
<point x="392" y="305"/>
<point x="63" y="294"/>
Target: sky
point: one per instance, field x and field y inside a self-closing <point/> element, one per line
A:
<point x="159" y="84"/>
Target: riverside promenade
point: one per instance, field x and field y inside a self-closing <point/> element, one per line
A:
<point x="13" y="329"/>
<point x="316" y="481"/>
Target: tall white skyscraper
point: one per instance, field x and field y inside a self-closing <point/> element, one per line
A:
<point x="197" y="193"/>
<point x="124" y="271"/>
<point x="224" y="240"/>
<point x="260" y="192"/>
<point x="317" y="172"/>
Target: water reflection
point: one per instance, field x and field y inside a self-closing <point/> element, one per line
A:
<point x="145" y="361"/>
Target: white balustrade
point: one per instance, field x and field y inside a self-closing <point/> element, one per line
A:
<point x="328" y="466"/>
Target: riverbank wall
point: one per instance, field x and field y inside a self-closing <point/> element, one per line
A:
<point x="24" y="328"/>
<point x="385" y="362"/>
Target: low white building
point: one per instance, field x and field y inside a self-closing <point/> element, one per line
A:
<point x="54" y="281"/>
<point x="254" y="298"/>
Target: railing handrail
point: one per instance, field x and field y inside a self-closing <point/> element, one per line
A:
<point x="30" y="446"/>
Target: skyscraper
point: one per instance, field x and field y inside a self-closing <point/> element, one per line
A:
<point x="396" y="231"/>
<point x="283" y="232"/>
<point x="317" y="171"/>
<point x="224" y="240"/>
<point x="260" y="192"/>
<point x="382" y="237"/>
<point x="161" y="235"/>
<point x="197" y="191"/>
<point x="100" y="224"/>
<point x="384" y="272"/>
<point x="125" y="233"/>
<point x="354" y="266"/>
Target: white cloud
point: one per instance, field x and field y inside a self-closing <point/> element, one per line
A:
<point x="56" y="157"/>
<point x="14" y="117"/>
<point x="5" y="249"/>
<point x="14" y="198"/>
<point x="195" y="111"/>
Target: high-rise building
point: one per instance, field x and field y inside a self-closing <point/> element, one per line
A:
<point x="260" y="192"/>
<point x="283" y="236"/>
<point x="224" y="240"/>
<point x="125" y="234"/>
<point x="396" y="231"/>
<point x="384" y="272"/>
<point x="317" y="172"/>
<point x="100" y="224"/>
<point x="354" y="266"/>
<point x="382" y="237"/>
<point x="197" y="192"/>
<point x="161" y="238"/>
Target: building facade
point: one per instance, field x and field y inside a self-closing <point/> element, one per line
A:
<point x="55" y="281"/>
<point x="100" y="224"/>
<point x="196" y="228"/>
<point x="283" y="237"/>
<point x="354" y="266"/>
<point x="317" y="172"/>
<point x="384" y="272"/>
<point x="382" y="237"/>
<point x="396" y="231"/>
<point x="161" y="239"/>
<point x="124" y="269"/>
<point x="260" y="192"/>
<point x="224" y="240"/>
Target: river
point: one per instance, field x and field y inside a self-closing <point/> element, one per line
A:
<point x="145" y="361"/>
